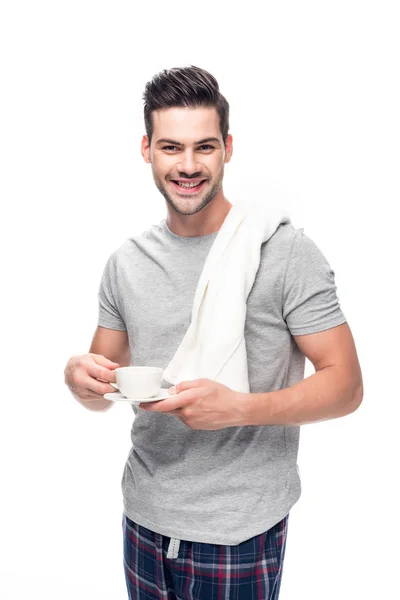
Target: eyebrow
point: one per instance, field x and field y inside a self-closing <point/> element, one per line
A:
<point x="209" y="139"/>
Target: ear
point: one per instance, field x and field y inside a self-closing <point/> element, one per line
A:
<point x="228" y="148"/>
<point x="145" y="149"/>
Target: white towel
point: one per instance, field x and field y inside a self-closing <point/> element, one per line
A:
<point x="214" y="345"/>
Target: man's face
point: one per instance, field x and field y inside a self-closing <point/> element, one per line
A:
<point x="181" y="150"/>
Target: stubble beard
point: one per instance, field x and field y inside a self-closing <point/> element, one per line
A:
<point x="188" y="206"/>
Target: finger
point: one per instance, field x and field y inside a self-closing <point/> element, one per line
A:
<point x="87" y="394"/>
<point x="92" y="395"/>
<point x="187" y="385"/>
<point x="100" y="372"/>
<point x="174" y="402"/>
<point x="96" y="386"/>
<point x="102" y="360"/>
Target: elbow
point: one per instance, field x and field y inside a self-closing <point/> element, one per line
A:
<point x="357" y="397"/>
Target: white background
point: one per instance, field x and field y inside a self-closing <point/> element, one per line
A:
<point x="314" y="99"/>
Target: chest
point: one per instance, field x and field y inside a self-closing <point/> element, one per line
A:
<point x="158" y="298"/>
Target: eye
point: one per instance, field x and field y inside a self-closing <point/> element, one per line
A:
<point x="170" y="148"/>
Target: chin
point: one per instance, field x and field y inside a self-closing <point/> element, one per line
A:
<point x="188" y="206"/>
<point x="185" y="208"/>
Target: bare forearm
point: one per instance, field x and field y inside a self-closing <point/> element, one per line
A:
<point x="327" y="394"/>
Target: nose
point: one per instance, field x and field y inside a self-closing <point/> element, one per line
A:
<point x="188" y="163"/>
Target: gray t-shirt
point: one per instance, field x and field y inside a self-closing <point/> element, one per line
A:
<point x="228" y="485"/>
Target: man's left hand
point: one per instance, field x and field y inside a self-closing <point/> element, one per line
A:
<point x="203" y="404"/>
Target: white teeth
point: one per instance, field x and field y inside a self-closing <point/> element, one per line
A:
<point x="188" y="185"/>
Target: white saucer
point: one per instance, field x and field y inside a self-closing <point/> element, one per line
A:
<point x="117" y="396"/>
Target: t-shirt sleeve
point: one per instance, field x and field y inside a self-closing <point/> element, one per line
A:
<point x="309" y="299"/>
<point x="109" y="313"/>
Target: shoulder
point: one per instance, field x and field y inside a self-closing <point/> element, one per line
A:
<point x="292" y="247"/>
<point x="130" y="247"/>
<point x="279" y="246"/>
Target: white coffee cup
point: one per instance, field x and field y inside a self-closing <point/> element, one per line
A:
<point x="138" y="382"/>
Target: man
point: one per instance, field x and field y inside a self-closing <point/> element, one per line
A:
<point x="212" y="473"/>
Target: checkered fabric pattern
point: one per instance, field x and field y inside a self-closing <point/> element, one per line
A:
<point x="251" y="570"/>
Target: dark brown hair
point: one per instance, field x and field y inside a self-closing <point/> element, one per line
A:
<point x="184" y="86"/>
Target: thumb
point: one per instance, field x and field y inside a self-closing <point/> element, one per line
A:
<point x="187" y="385"/>
<point x="103" y="361"/>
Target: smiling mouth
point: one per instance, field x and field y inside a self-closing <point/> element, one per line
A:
<point x="188" y="188"/>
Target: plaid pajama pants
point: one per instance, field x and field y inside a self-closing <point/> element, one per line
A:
<point x="157" y="567"/>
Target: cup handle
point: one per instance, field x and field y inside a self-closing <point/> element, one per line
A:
<point x="113" y="384"/>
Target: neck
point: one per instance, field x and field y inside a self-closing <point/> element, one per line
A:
<point x="208" y="220"/>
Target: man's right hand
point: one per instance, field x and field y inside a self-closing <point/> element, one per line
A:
<point x="85" y="374"/>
